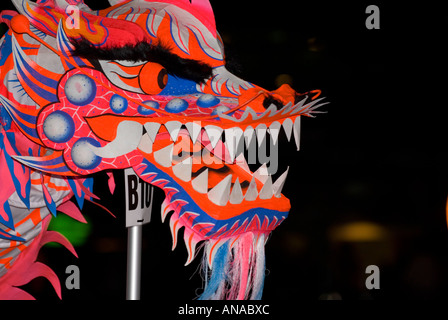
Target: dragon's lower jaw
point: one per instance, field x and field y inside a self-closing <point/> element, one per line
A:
<point x="234" y="229"/>
<point x="213" y="200"/>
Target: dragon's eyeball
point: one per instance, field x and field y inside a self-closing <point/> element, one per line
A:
<point x="80" y="90"/>
<point x="152" y="78"/>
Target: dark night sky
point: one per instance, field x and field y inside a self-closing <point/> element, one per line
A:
<point x="378" y="155"/>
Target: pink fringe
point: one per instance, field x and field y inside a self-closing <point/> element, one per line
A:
<point x="26" y="268"/>
<point x="240" y="271"/>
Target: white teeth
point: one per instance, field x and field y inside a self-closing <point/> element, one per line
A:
<point x="182" y="170"/>
<point x="152" y="128"/>
<point x="236" y="196"/>
<point x="262" y="173"/>
<point x="200" y="183"/>
<point x="173" y="128"/>
<point x="194" y="129"/>
<point x="248" y="135"/>
<point x="274" y="130"/>
<point x="261" y="133"/>
<point x="233" y="137"/>
<point x="220" y="194"/>
<point x="287" y="126"/>
<point x="241" y="161"/>
<point x="267" y="192"/>
<point x="164" y="156"/>
<point x="145" y="144"/>
<point x="251" y="193"/>
<point x="278" y="185"/>
<point x="127" y="140"/>
<point x="214" y="134"/>
<point x="297" y="132"/>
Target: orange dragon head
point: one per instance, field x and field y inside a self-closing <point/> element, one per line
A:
<point x="144" y="84"/>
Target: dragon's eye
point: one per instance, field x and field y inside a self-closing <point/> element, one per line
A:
<point x="152" y="78"/>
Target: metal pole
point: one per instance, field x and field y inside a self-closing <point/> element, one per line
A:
<point x="134" y="262"/>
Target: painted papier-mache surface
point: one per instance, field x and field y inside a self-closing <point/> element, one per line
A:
<point x="141" y="84"/>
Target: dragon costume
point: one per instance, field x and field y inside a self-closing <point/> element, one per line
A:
<point x="142" y="85"/>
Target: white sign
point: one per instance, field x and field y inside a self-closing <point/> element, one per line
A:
<point x="138" y="199"/>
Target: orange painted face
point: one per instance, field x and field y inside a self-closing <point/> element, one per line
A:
<point x="143" y="84"/>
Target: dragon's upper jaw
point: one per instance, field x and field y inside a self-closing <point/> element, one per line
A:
<point x="216" y="173"/>
<point x="201" y="165"/>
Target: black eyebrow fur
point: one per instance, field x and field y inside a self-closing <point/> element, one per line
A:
<point x="194" y="70"/>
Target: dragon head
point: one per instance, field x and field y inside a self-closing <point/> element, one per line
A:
<point x="144" y="84"/>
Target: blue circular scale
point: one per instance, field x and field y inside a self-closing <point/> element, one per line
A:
<point x="80" y="90"/>
<point x="58" y="126"/>
<point x="176" y="105"/>
<point x="118" y="104"/>
<point x="82" y="154"/>
<point x="207" y="101"/>
<point x="146" y="111"/>
<point x="219" y="109"/>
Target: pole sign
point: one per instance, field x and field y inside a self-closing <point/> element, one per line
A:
<point x="138" y="199"/>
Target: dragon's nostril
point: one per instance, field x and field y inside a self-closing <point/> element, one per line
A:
<point x="270" y="100"/>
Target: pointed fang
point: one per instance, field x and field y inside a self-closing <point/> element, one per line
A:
<point x="152" y="128"/>
<point x="267" y="191"/>
<point x="297" y="132"/>
<point x="182" y="170"/>
<point x="278" y="185"/>
<point x="200" y="183"/>
<point x="214" y="134"/>
<point x="220" y="194"/>
<point x="164" y="156"/>
<point x="236" y="197"/>
<point x="262" y="173"/>
<point x="173" y="128"/>
<point x="251" y="193"/>
<point x="194" y="129"/>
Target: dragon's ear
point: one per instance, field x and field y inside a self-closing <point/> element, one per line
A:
<point x="109" y="33"/>
<point x="98" y="30"/>
<point x="114" y="2"/>
<point x="24" y="5"/>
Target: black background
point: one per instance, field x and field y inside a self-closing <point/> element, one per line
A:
<point x="379" y="155"/>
